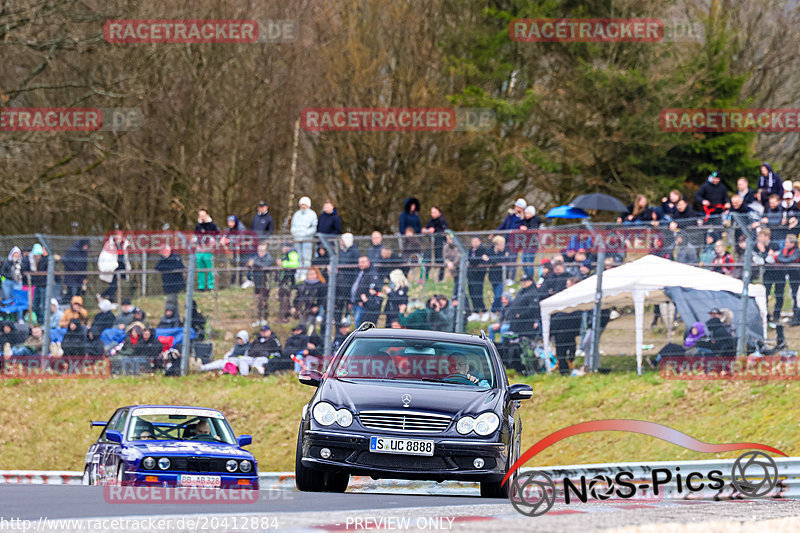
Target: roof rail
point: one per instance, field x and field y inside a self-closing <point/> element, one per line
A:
<point x="365" y="326"/>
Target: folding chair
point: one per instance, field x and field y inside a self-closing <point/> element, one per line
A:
<point x="19" y="305"/>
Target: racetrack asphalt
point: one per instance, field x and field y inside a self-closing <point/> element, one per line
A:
<point x="287" y="510"/>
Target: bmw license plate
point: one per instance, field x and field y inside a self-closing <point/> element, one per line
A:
<point x="404" y="446"/>
<point x="187" y="480"/>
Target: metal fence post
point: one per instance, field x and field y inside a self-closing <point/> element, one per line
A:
<point x="187" y="314"/>
<point x="48" y="292"/>
<point x="330" y="301"/>
<point x="594" y="361"/>
<point x="741" y="342"/>
<point x="461" y="293"/>
<point x="144" y="273"/>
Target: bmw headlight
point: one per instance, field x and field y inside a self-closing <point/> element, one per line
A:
<point x="324" y="413"/>
<point x="231" y="465"/>
<point x="487" y="423"/>
<point x="245" y="466"/>
<point x="164" y="463"/>
<point x="148" y="463"/>
<point x="465" y="425"/>
<point x="344" y="417"/>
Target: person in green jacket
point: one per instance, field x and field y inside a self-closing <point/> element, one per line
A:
<point x="419" y="319"/>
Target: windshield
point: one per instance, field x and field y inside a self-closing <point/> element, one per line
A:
<point x="180" y="426"/>
<point x="416" y="360"/>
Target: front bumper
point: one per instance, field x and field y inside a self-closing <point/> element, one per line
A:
<point x="150" y="478"/>
<point x="452" y="458"/>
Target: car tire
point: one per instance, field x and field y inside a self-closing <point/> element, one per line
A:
<point x="305" y="479"/>
<point x="87" y="477"/>
<point x="336" y="482"/>
<point x="491" y="489"/>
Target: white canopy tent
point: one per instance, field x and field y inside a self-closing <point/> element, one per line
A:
<point x="643" y="281"/>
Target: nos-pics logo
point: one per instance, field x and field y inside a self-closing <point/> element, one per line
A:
<point x="753" y="475"/>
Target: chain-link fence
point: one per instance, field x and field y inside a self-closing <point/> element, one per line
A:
<point x="307" y="295"/>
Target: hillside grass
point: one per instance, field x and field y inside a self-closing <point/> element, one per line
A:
<point x="45" y="424"/>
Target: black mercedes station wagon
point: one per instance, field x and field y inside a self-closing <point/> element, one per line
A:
<point x="410" y="404"/>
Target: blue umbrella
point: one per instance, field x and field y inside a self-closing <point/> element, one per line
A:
<point x="566" y="211"/>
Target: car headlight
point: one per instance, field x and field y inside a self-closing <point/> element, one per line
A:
<point x="465" y="425"/>
<point x="148" y="463"/>
<point x="487" y="423"/>
<point x="164" y="463"/>
<point x="231" y="465"/>
<point x="324" y="413"/>
<point x="344" y="417"/>
<point x="245" y="466"/>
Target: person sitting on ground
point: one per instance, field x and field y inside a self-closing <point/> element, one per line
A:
<point x="94" y="344"/>
<point x="171" y="318"/>
<point x="198" y="322"/>
<point x="140" y="316"/>
<point x="719" y="342"/>
<point x="149" y="346"/>
<point x="296" y="342"/>
<point x="75" y="311"/>
<point x="74" y="342"/>
<point x="56" y="313"/>
<point x="104" y="319"/>
<point x="15" y="344"/>
<point x="239" y="356"/>
<point x="694" y="334"/>
<point x="126" y="347"/>
<point x="125" y="315"/>
<point x="267" y="352"/>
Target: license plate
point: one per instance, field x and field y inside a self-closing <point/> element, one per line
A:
<point x="403" y="446"/>
<point x="187" y="480"/>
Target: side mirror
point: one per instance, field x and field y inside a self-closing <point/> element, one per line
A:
<point x="114" y="436"/>
<point x="244" y="440"/>
<point x="520" y="391"/>
<point x="310" y="377"/>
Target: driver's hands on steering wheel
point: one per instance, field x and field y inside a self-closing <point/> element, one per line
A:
<point x="471" y="378"/>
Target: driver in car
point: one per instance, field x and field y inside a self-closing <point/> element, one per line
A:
<point x="462" y="369"/>
<point x="202" y="429"/>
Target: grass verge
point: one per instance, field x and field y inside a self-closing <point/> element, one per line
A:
<point x="45" y="424"/>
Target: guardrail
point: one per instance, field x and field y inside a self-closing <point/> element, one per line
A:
<point x="642" y="476"/>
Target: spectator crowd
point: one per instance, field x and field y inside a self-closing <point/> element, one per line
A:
<point x="373" y="283"/>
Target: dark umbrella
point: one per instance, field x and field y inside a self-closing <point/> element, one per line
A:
<point x="598" y="202"/>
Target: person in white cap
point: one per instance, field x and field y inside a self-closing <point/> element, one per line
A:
<point x="304" y="227"/>
<point x="55" y="313"/>
<point x="514" y="217"/>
